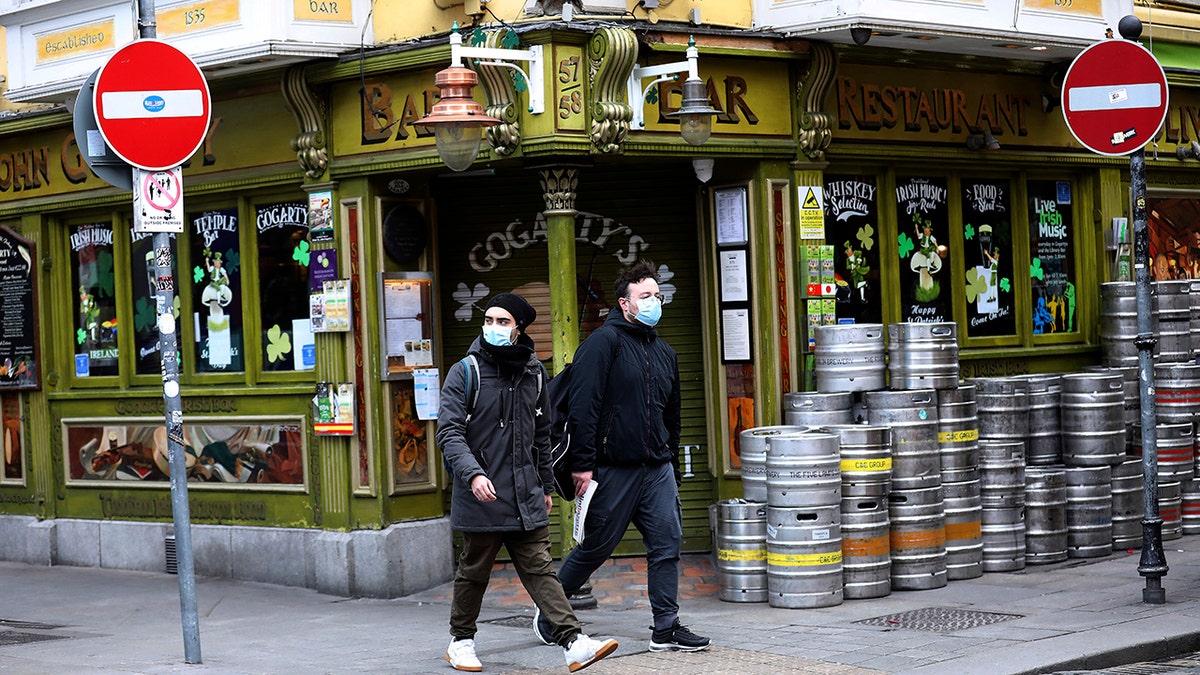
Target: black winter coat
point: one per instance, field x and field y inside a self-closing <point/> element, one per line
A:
<point x="624" y="398"/>
<point x="510" y="437"/>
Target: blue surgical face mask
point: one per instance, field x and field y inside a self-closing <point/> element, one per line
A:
<point x="649" y="311"/>
<point x="497" y="336"/>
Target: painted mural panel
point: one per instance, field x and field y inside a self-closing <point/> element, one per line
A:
<point x="988" y="256"/>
<point x="217" y="292"/>
<point x="1052" y="256"/>
<point x="221" y="451"/>
<point x="852" y="226"/>
<point x="923" y="220"/>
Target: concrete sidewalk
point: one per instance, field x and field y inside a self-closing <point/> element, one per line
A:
<point x="1080" y="614"/>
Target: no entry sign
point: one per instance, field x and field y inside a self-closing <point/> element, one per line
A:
<point x="152" y="105"/>
<point x="1115" y="97"/>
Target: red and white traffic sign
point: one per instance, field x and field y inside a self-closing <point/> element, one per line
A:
<point x="152" y="105"/>
<point x="1115" y="97"/>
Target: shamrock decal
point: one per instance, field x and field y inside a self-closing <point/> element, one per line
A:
<point x="668" y="290"/>
<point x="197" y="274"/>
<point x="478" y="37"/>
<point x="976" y="284"/>
<point x="968" y="232"/>
<point x="279" y="343"/>
<point x="1005" y="285"/>
<point x="906" y="244"/>
<point x="652" y="95"/>
<point x="143" y="317"/>
<point x="1035" y="269"/>
<point x="80" y="336"/>
<point x="233" y="260"/>
<point x="518" y="81"/>
<point x="865" y="236"/>
<point x="510" y="40"/>
<point x="466" y="299"/>
<point x="301" y="254"/>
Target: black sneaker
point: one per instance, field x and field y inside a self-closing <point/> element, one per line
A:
<point x="541" y="627"/>
<point x="677" y="638"/>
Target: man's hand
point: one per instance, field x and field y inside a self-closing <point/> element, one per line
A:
<point x="483" y="489"/>
<point x="581" y="480"/>
<point x="549" y="504"/>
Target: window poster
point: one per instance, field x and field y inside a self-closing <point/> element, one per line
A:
<point x="1174" y="229"/>
<point x="283" y="259"/>
<point x="852" y="227"/>
<point x="1052" y="256"/>
<point x="987" y="258"/>
<point x="217" y="292"/>
<point x="923" y="219"/>
<point x="10" y="417"/>
<point x="144" y="289"/>
<point x="92" y="278"/>
<point x="19" y="358"/>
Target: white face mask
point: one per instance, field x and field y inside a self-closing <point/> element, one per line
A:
<point x="649" y="311"/>
<point x="497" y="336"/>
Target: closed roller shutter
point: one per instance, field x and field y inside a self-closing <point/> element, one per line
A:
<point x="492" y="240"/>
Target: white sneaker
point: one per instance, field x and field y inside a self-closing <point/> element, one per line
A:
<point x="584" y="651"/>
<point x="461" y="655"/>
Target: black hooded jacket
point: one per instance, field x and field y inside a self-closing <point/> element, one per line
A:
<point x="507" y="439"/>
<point x="624" y="398"/>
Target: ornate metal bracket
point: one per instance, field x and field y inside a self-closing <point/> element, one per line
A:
<point x="309" y="144"/>
<point x="501" y="96"/>
<point x="815" y="130"/>
<point x="612" y="54"/>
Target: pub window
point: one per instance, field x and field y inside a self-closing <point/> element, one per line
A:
<point x="852" y="227"/>
<point x="1052" y="257"/>
<point x="987" y="257"/>
<point x="145" y="313"/>
<point x="1174" y="233"/>
<point x="95" y="309"/>
<point x="283" y="259"/>
<point x="216" y="283"/>
<point x="10" y="415"/>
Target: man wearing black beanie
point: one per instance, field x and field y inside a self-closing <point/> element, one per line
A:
<point x="496" y="441"/>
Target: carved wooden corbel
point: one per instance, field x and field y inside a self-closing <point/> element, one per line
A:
<point x="815" y="129"/>
<point x="501" y="96"/>
<point x="309" y="144"/>
<point x="612" y="54"/>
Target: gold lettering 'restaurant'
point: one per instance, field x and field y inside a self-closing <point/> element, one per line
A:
<point x="872" y="106"/>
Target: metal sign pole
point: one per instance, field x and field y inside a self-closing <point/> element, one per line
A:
<point x="172" y="407"/>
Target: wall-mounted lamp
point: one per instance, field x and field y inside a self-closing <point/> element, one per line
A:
<point x="984" y="141"/>
<point x="457" y="120"/>
<point x="1189" y="151"/>
<point x="703" y="166"/>
<point x="695" y="113"/>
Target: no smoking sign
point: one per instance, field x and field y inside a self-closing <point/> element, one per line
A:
<point x="158" y="200"/>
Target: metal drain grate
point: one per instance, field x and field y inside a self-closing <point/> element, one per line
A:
<point x="11" y="637"/>
<point x="939" y="619"/>
<point x="31" y="625"/>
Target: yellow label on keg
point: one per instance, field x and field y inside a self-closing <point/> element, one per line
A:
<point x="958" y="436"/>
<point x="878" y="464"/>
<point x="741" y="556"/>
<point x="803" y="559"/>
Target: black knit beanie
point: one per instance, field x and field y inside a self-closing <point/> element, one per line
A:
<point x="523" y="313"/>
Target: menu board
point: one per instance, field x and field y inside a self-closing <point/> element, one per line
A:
<point x="987" y="258"/>
<point x="18" y="310"/>
<point x="405" y="302"/>
<point x="852" y="227"/>
<point x="1052" y="256"/>
<point x="923" y="220"/>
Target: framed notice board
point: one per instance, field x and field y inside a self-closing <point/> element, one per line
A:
<point x="20" y="367"/>
<point x="406" y="300"/>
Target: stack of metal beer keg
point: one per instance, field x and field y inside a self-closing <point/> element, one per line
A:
<point x="894" y="475"/>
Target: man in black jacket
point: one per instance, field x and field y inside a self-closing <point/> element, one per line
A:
<point x="624" y="421"/>
<point x="496" y="442"/>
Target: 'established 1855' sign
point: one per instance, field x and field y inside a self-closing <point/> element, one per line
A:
<point x="18" y="307"/>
